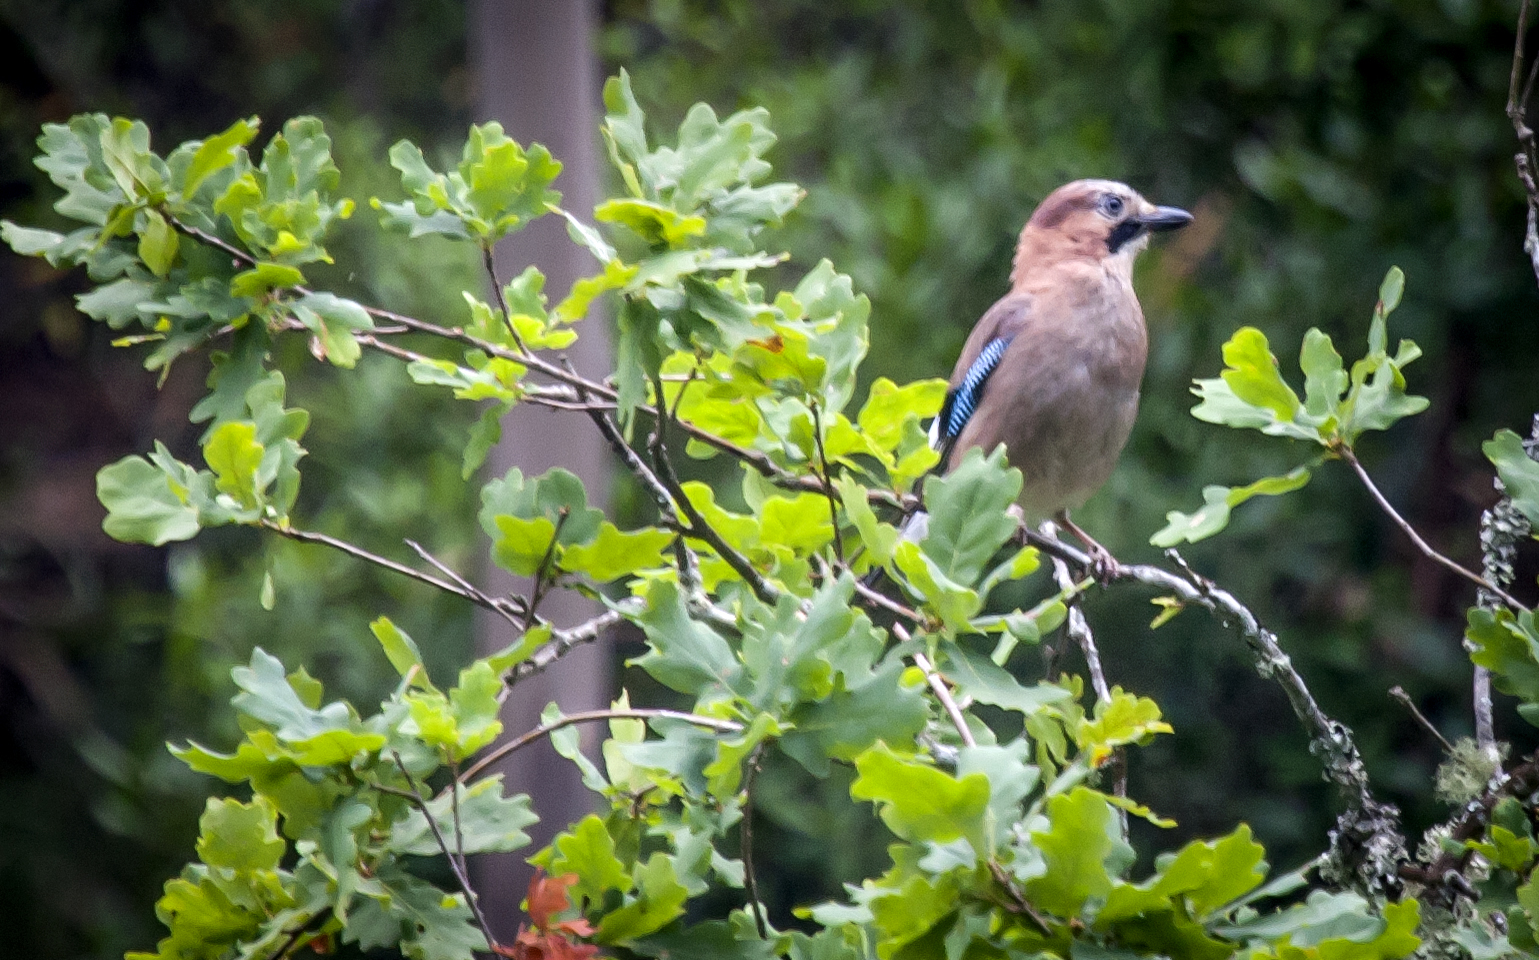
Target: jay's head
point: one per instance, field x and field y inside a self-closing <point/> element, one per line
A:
<point x="1096" y="220"/>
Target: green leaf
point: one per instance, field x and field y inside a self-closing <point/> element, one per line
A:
<point x="1390" y="291"/>
<point x="979" y="678"/>
<point x="497" y="188"/>
<point x="954" y="603"/>
<point x="1123" y="719"/>
<point x="557" y="495"/>
<point x="217" y="153"/>
<point x="1075" y="848"/>
<point x="118" y="303"/>
<point x="1011" y="779"/>
<point x="1506" y="849"/>
<point x="475" y="705"/>
<point x="1339" y="925"/>
<point x="489" y="822"/>
<point x="880" y="539"/>
<point x="653" y="222"/>
<point x="850" y="720"/>
<point x="1518" y="471"/>
<point x="889" y="408"/>
<point x="659" y="899"/>
<point x="239" y="836"/>
<point x="265" y="277"/>
<point x="142" y="504"/>
<point x="462" y="722"/>
<point x="157" y="243"/>
<point x="400" y="650"/>
<point x="1508" y="646"/>
<point x="1213" y="516"/>
<point x="426" y="922"/>
<point x="29" y="241"/>
<point x="268" y="697"/>
<point x="522" y="546"/>
<point x="920" y="803"/>
<point x="1325" y="379"/>
<point x="968" y="518"/>
<point x="587" y="849"/>
<point x="734" y="939"/>
<point x="521" y="649"/>
<point x="1253" y="375"/>
<point x="684" y="654"/>
<point x="485" y="434"/>
<point x="234" y="455"/>
<point x="616" y="553"/>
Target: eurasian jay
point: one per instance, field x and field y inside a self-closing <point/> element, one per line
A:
<point x="1052" y="370"/>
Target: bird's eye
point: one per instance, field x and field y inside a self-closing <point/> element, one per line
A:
<point x="1111" y="205"/>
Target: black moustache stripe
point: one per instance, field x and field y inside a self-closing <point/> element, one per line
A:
<point x="1122" y="233"/>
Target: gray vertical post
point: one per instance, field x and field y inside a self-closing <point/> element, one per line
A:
<point x="537" y="73"/>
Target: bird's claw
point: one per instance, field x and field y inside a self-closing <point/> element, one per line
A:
<point x="1103" y="566"/>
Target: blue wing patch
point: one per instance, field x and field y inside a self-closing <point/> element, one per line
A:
<point x="963" y="401"/>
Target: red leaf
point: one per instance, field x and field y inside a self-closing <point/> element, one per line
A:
<point x="548" y="896"/>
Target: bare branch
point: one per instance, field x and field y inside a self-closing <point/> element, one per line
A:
<point x="1078" y="629"/>
<point x="589" y="716"/>
<point x="457" y="866"/>
<point x="1018" y="903"/>
<point x="942" y="692"/>
<point x="1399" y="695"/>
<point x="560" y="644"/>
<point x="490" y="264"/>
<point x="1351" y="458"/>
<point x="745" y="841"/>
<point x="1446" y="873"/>
<point x="827" y="478"/>
<point x="509" y="610"/>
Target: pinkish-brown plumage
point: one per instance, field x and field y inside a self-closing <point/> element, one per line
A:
<point x="1053" y="369"/>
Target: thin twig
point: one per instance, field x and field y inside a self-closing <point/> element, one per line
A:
<point x="501" y="607"/>
<point x="475" y="592"/>
<point x="1077" y="629"/>
<point x="1018" y="902"/>
<point x="460" y="873"/>
<point x="1399" y="695"/>
<point x="698" y="527"/>
<point x="745" y="841"/>
<point x="559" y="645"/>
<point x="454" y="811"/>
<point x="543" y="581"/>
<point x="1350" y="457"/>
<point x="292" y="941"/>
<point x="588" y="716"/>
<point x="877" y="598"/>
<point x="1526" y="159"/>
<point x="490" y="264"/>
<point x="827" y="477"/>
<point x="938" y="684"/>
<point x="210" y="239"/>
<point x="1513" y="104"/>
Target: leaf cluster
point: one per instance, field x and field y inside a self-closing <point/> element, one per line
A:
<point x="757" y="604"/>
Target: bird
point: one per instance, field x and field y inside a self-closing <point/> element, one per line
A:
<point x="1053" y="369"/>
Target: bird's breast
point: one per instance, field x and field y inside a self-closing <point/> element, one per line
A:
<point x="1069" y="392"/>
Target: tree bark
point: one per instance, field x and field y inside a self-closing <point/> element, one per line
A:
<point x="537" y="73"/>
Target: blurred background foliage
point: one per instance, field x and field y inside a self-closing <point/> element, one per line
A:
<point x="1318" y="141"/>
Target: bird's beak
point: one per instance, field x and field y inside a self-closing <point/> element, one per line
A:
<point x="1161" y="219"/>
